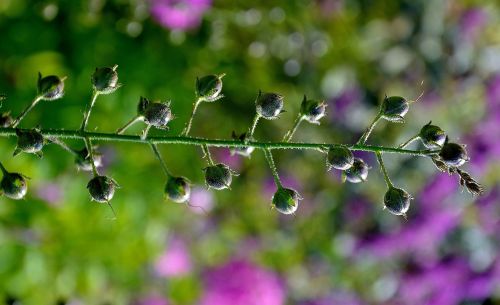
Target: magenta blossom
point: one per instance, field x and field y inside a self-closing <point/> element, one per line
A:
<point x="242" y="283"/>
<point x="175" y="260"/>
<point x="179" y="14"/>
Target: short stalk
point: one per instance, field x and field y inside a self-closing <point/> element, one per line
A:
<point x="411" y="140"/>
<point x="63" y="145"/>
<point x="368" y="131"/>
<point x="254" y="124"/>
<point x="145" y="132"/>
<point x="26" y="111"/>
<point x="129" y="123"/>
<point x="206" y="151"/>
<point x="187" y="129"/>
<point x="384" y="171"/>
<point x="270" y="161"/>
<point x="86" y="115"/>
<point x="91" y="155"/>
<point x="289" y="135"/>
<point x="159" y="157"/>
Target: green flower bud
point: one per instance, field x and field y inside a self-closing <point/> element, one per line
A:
<point x="339" y="158"/>
<point x="453" y="155"/>
<point x="358" y="172"/>
<point x="313" y="110"/>
<point x="242" y="151"/>
<point x="102" y="188"/>
<point x="13" y="186"/>
<point x="178" y="189"/>
<point x="208" y="88"/>
<point x="269" y="105"/>
<point x="50" y="87"/>
<point x="82" y="160"/>
<point x="158" y="114"/>
<point x="286" y="201"/>
<point x="29" y="141"/>
<point x="432" y="136"/>
<point x="218" y="176"/>
<point x="5" y="119"/>
<point x="394" y="108"/>
<point x="105" y="80"/>
<point x="397" y="201"/>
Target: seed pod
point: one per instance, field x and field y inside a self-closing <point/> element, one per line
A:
<point x="5" y="119"/>
<point x="397" y="201"/>
<point x="242" y="151"/>
<point x="158" y="114"/>
<point x="208" y="88"/>
<point x="29" y="141"/>
<point x="82" y="160"/>
<point x="394" y="108"/>
<point x="313" y="110"/>
<point x="269" y="105"/>
<point x="358" y="172"/>
<point x="178" y="189"/>
<point x="286" y="201"/>
<point x="13" y="186"/>
<point x="50" y="87"/>
<point x="339" y="158"/>
<point x="142" y="106"/>
<point x="105" y="80"/>
<point x="432" y="136"/>
<point x="218" y="176"/>
<point x="102" y="188"/>
<point x="453" y="155"/>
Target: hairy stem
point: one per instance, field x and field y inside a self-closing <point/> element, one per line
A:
<point x="288" y="136"/>
<point x="25" y="111"/>
<point x="270" y="161"/>
<point x="206" y="151"/>
<point x="63" y="145"/>
<point x="86" y="115"/>
<point x="369" y="130"/>
<point x="186" y="130"/>
<point x="384" y="171"/>
<point x="128" y="124"/>
<point x="411" y="140"/>
<point x="162" y="162"/>
<point x="91" y="155"/>
<point x="254" y="124"/>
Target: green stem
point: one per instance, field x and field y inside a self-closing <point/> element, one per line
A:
<point x="186" y="130"/>
<point x="288" y="136"/>
<point x="162" y="162"/>
<point x="63" y="145"/>
<point x="254" y="124"/>
<point x="270" y="161"/>
<point x="25" y="112"/>
<point x="206" y="151"/>
<point x="4" y="171"/>
<point x="129" y="123"/>
<point x="411" y="140"/>
<point x="86" y="115"/>
<point x="91" y="155"/>
<point x="97" y="136"/>
<point x="384" y="171"/>
<point x="369" y="130"/>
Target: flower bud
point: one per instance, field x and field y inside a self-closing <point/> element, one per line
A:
<point x="5" y="119"/>
<point x="397" y="201"/>
<point x="313" y="110"/>
<point x="82" y="160"/>
<point x="208" y="88"/>
<point x="245" y="151"/>
<point x="102" y="188"/>
<point x="50" y="87"/>
<point x="453" y="155"/>
<point x="358" y="172"/>
<point x="286" y="201"/>
<point x="269" y="105"/>
<point x="29" y="141"/>
<point x="178" y="189"/>
<point x="105" y="80"/>
<point x="142" y="106"/>
<point x="218" y="176"/>
<point x="13" y="186"/>
<point x="339" y="158"/>
<point x="432" y="136"/>
<point x="158" y="114"/>
<point x="394" y="108"/>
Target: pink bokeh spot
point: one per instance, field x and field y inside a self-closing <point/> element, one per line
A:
<point x="179" y="14"/>
<point x="175" y="260"/>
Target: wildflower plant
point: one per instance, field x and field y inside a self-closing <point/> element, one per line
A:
<point x="446" y="155"/>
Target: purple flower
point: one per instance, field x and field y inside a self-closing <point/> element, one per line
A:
<point x="240" y="282"/>
<point x="152" y="300"/>
<point x="179" y="14"/>
<point x="202" y="200"/>
<point x="471" y="23"/>
<point x="175" y="260"/>
<point x="493" y="92"/>
<point x="50" y="192"/>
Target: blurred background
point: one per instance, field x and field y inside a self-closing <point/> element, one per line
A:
<point x="57" y="247"/>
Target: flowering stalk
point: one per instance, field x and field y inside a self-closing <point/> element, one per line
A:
<point x="90" y="149"/>
<point x="288" y="136"/>
<point x="207" y="154"/>
<point x="187" y="129"/>
<point x="366" y="134"/>
<point x="383" y="169"/>
<point x="86" y="115"/>
<point x="129" y="124"/>
<point x="154" y="147"/>
<point x="26" y="111"/>
<point x="410" y="140"/>
<point x="270" y="161"/>
<point x="254" y="125"/>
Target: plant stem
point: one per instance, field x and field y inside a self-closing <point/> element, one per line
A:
<point x="252" y="129"/>
<point x="97" y="136"/>
<point x="129" y="123"/>
<point x="206" y="151"/>
<point x="91" y="155"/>
<point x="270" y="161"/>
<point x="63" y="145"/>
<point x="384" y="171"/>
<point x="288" y="136"/>
<point x="368" y="131"/>
<point x="25" y="112"/>
<point x="411" y="140"/>
<point x="186" y="130"/>
<point x="162" y="162"/>
<point x="86" y="115"/>
<point x="4" y="171"/>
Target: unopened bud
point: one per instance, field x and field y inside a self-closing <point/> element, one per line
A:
<point x="313" y="110"/>
<point x="50" y="87"/>
<point x="13" y="186"/>
<point x="29" y="141"/>
<point x="432" y="136"/>
<point x="218" y="176"/>
<point x="208" y="88"/>
<point x="178" y="189"/>
<point x="102" y="188"/>
<point x="269" y="105"/>
<point x="358" y="172"/>
<point x="339" y="158"/>
<point x="394" y="108"/>
<point x="286" y="201"/>
<point x="397" y="201"/>
<point x="105" y="80"/>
